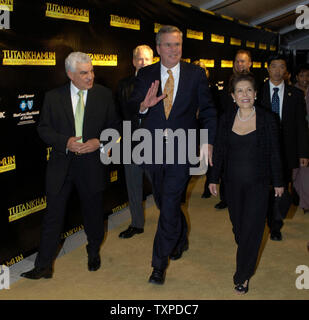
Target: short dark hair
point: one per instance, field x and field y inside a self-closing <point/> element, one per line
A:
<point x="242" y="51"/>
<point x="301" y="68"/>
<point x="277" y="57"/>
<point x="235" y="78"/>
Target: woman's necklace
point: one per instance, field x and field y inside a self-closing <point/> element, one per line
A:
<point x="248" y="118"/>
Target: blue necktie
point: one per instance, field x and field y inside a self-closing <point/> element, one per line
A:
<point x="275" y="102"/>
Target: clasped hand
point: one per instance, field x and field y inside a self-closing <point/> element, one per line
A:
<point x="90" y="145"/>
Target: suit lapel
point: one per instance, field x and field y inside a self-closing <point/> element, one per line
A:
<point x="286" y="102"/>
<point x="67" y="105"/>
<point x="181" y="87"/>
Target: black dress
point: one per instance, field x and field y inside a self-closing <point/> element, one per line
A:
<point x="247" y="200"/>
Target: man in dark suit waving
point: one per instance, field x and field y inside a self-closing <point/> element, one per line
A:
<point x="168" y="95"/>
<point x="288" y="104"/>
<point x="72" y="119"/>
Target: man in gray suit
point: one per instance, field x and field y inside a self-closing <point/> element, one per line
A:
<point x="142" y="56"/>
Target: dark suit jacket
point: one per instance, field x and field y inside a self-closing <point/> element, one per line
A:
<point x="56" y="126"/>
<point x="193" y="93"/>
<point x="293" y="128"/>
<point x="269" y="162"/>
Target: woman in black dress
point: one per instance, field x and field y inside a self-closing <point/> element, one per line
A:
<point x="247" y="150"/>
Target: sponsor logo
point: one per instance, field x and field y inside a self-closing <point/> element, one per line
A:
<point x="120" y="207"/>
<point x="99" y="59"/>
<point x="250" y="44"/>
<point x="24" y="209"/>
<point x="71" y="231"/>
<point x="7" y="164"/>
<point x="209" y="63"/>
<point x="216" y="38"/>
<point x="6" y="5"/>
<point x="66" y="12"/>
<point x="14" y="260"/>
<point x="157" y="27"/>
<point x="235" y="42"/>
<point x="25" y="105"/>
<point x="256" y="64"/>
<point x="227" y="63"/>
<point x="262" y="46"/>
<point x="124" y="22"/>
<point x="33" y="58"/>
<point x="114" y="176"/>
<point x="48" y="152"/>
<point x="192" y="34"/>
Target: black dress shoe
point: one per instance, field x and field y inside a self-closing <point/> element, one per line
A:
<point x="206" y="194"/>
<point x="38" y="273"/>
<point x="177" y="253"/>
<point x="130" y="232"/>
<point x="276" y="236"/>
<point x="157" y="276"/>
<point x="94" y="263"/>
<point x="221" y="205"/>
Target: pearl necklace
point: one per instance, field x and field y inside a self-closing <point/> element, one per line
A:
<point x="248" y="118"/>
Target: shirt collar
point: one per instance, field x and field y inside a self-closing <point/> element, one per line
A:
<point x="75" y="90"/>
<point x="280" y="86"/>
<point x="174" y="69"/>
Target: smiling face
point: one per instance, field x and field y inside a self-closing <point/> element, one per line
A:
<point x="83" y="76"/>
<point x="244" y="94"/>
<point x="170" y="49"/>
<point x="242" y="63"/>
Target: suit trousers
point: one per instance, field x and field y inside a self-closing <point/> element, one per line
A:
<point x="134" y="182"/>
<point x="91" y="209"/>
<point x="247" y="205"/>
<point x="168" y="184"/>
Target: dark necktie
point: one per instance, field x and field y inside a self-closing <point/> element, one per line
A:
<point x="275" y="102"/>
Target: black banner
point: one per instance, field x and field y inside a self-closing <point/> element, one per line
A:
<point x="36" y="38"/>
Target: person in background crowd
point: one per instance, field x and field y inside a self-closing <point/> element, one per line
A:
<point x="142" y="56"/>
<point x="288" y="104"/>
<point x="72" y="119"/>
<point x="247" y="151"/>
<point x="301" y="175"/>
<point x="168" y="95"/>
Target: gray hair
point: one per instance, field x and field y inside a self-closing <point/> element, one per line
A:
<point x="141" y="47"/>
<point x="166" y="29"/>
<point x="73" y="58"/>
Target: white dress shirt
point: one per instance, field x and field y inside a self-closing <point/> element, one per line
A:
<point x="280" y="93"/>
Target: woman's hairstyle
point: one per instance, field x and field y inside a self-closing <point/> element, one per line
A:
<point x="241" y="77"/>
